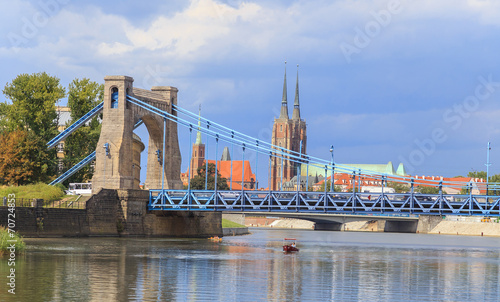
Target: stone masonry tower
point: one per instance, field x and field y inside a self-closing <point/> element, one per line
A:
<point x="114" y="155"/>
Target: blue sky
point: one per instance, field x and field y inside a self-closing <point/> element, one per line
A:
<point x="403" y="81"/>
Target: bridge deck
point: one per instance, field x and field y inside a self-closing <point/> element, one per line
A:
<point x="391" y="204"/>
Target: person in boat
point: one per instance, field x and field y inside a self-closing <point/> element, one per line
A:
<point x="293" y="244"/>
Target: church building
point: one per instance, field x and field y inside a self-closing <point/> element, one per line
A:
<point x="287" y="134"/>
<point x="231" y="170"/>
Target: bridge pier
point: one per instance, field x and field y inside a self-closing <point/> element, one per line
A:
<point x="427" y="222"/>
<point x="328" y="226"/>
<point x="125" y="213"/>
<point x="395" y="226"/>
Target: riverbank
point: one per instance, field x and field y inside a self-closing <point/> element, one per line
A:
<point x="450" y="225"/>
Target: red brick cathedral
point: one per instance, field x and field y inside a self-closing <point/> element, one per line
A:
<point x="287" y="134"/>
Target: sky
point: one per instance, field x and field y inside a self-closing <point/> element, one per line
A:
<point x="416" y="82"/>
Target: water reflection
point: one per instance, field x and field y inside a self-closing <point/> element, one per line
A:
<point x="331" y="266"/>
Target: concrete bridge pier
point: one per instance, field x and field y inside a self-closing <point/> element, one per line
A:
<point x="328" y="226"/>
<point x="396" y="226"/>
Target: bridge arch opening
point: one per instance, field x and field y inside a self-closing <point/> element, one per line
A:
<point x="151" y="134"/>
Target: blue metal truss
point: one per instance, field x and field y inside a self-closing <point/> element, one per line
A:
<point x="61" y="136"/>
<point x="319" y="202"/>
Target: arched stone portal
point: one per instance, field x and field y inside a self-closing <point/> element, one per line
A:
<point x="114" y="156"/>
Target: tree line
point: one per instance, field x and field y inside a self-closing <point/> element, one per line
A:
<point x="29" y="119"/>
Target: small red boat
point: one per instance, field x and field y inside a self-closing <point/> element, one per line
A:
<point x="290" y="245"/>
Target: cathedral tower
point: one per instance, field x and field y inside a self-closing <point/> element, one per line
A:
<point x="287" y="134"/>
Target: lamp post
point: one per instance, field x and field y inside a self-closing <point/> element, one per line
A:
<point x="333" y="170"/>
<point x="488" y="164"/>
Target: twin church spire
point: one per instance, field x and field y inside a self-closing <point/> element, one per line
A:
<point x="284" y="101"/>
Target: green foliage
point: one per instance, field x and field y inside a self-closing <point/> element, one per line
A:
<point x="6" y="241"/>
<point x="33" y="103"/>
<point x="477" y="174"/>
<point x="198" y="182"/>
<point x="399" y="187"/>
<point x="230" y="224"/>
<point x="77" y="146"/>
<point x="427" y="190"/>
<point x="328" y="186"/>
<point x="355" y="189"/>
<point x="494" y="181"/>
<point x="39" y="190"/>
<point x="83" y="95"/>
<point x="33" y="110"/>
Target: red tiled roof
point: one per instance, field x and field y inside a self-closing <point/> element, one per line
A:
<point x="224" y="168"/>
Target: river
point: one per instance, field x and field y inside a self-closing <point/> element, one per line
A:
<point x="331" y="266"/>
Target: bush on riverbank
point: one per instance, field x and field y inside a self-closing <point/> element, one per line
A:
<point x="6" y="241"/>
<point x="39" y="190"/>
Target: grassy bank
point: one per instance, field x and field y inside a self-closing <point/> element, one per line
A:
<point x="40" y="190"/>
<point x="229" y="224"/>
<point x="6" y="241"/>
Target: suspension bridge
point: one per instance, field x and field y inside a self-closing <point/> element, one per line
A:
<point x="125" y="108"/>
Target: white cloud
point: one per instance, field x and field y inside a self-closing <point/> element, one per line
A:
<point x="225" y="57"/>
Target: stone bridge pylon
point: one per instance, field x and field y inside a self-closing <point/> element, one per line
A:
<point x="114" y="164"/>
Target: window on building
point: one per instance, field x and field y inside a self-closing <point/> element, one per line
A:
<point x="281" y="128"/>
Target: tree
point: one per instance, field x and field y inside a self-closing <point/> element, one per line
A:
<point x="16" y="166"/>
<point x="328" y="186"/>
<point x="355" y="190"/>
<point x="33" y="103"/>
<point x="33" y="109"/>
<point x="83" y="95"/>
<point x="198" y="182"/>
<point x="398" y="187"/>
<point x="477" y="174"/>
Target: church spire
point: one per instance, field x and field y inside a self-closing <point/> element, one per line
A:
<point x="198" y="135"/>
<point x="284" y="104"/>
<point x="296" y="106"/>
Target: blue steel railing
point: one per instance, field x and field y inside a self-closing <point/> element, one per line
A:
<point x="61" y="136"/>
<point x="329" y="202"/>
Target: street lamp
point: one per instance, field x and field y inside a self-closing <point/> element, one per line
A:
<point x="488" y="164"/>
<point x="333" y="170"/>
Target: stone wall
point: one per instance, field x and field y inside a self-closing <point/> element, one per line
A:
<point x="114" y="213"/>
<point x="48" y="222"/>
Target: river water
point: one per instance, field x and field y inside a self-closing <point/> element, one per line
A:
<point x="331" y="266"/>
